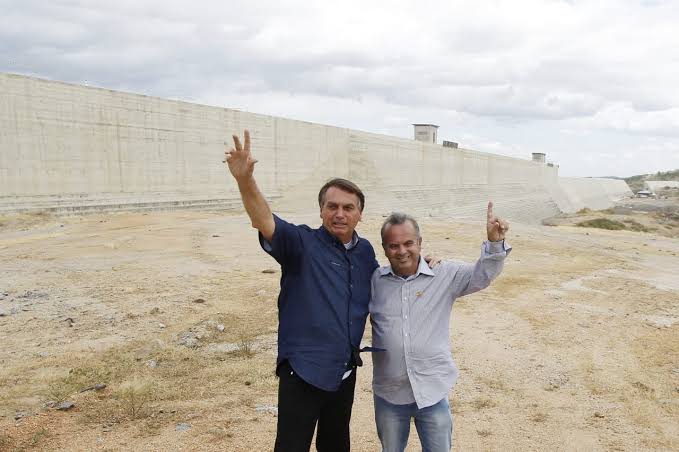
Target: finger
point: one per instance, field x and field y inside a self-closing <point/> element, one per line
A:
<point x="236" y="142"/>
<point x="490" y="210"/>
<point x="502" y="225"/>
<point x="247" y="140"/>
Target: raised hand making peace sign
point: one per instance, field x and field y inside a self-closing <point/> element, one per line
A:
<point x="240" y="161"/>
<point x="495" y="226"/>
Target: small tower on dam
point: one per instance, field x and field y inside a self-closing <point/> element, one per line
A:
<point x="539" y="157"/>
<point x="425" y="132"/>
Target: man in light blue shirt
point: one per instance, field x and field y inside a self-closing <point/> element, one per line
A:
<point x="410" y="316"/>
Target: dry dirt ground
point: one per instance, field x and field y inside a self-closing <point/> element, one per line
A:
<point x="574" y="347"/>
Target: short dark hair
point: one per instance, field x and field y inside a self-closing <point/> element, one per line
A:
<point x="399" y="218"/>
<point x="344" y="185"/>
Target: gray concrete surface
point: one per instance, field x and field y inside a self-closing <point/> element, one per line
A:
<point x="75" y="149"/>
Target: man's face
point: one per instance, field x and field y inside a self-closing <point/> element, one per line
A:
<point x="402" y="248"/>
<point x="340" y="213"/>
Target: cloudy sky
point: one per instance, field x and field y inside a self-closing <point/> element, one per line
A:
<point x="593" y="84"/>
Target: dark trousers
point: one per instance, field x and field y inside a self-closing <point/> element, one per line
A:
<point x="301" y="406"/>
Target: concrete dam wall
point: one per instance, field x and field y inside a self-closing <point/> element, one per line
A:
<point x="595" y="193"/>
<point x="68" y="148"/>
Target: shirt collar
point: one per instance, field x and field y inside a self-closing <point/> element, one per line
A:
<point x="422" y="268"/>
<point x="328" y="237"/>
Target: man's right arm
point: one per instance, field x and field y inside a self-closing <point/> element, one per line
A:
<point x="242" y="165"/>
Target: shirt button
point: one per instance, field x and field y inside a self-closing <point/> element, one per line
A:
<point x="406" y="317"/>
<point x="351" y="286"/>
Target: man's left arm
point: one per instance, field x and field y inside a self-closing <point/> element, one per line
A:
<point x="471" y="278"/>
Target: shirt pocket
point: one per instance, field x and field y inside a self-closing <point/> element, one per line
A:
<point x="433" y="365"/>
<point x="337" y="267"/>
<point x="386" y="332"/>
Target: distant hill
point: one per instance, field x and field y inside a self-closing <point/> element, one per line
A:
<point x="636" y="183"/>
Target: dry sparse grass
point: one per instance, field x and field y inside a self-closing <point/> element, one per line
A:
<point x="483" y="403"/>
<point x="5" y="441"/>
<point x="539" y="417"/>
<point x="24" y="220"/>
<point x="38" y="437"/>
<point x="494" y="383"/>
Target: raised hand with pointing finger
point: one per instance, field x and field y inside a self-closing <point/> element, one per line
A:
<point x="495" y="226"/>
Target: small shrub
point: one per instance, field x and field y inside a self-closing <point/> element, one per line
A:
<point x="38" y="436"/>
<point x="60" y="390"/>
<point x="602" y="223"/>
<point x="584" y="211"/>
<point x="134" y="395"/>
<point x="244" y="348"/>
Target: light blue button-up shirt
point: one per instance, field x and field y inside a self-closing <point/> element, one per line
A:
<point x="411" y="320"/>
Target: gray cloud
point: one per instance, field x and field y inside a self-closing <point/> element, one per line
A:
<point x="490" y="67"/>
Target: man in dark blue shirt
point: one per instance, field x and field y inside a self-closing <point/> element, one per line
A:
<point x="322" y="306"/>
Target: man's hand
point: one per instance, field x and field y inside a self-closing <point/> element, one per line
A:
<point x="240" y="161"/>
<point x="432" y="260"/>
<point x="496" y="227"/>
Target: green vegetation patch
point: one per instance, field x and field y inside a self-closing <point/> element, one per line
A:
<point x="602" y="223"/>
<point x="636" y="226"/>
<point x="636" y="183"/>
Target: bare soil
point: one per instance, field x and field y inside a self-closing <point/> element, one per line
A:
<point x="574" y="347"/>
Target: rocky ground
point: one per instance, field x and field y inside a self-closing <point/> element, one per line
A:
<point x="157" y="332"/>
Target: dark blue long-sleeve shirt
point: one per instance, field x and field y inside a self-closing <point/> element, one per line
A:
<point x="323" y="302"/>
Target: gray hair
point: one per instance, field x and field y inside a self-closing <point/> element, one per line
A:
<point x="399" y="218"/>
